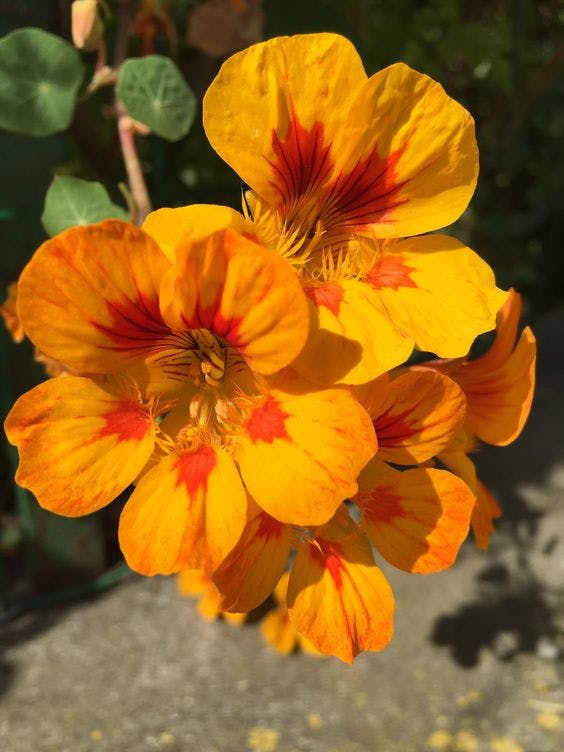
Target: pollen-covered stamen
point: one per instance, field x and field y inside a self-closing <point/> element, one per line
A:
<point x="294" y="241"/>
<point x="196" y="355"/>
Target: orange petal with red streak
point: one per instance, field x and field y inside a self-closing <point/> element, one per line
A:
<point x="338" y="599"/>
<point x="250" y="572"/>
<point x="300" y="452"/>
<point x="241" y="292"/>
<point x="89" y="297"/>
<point x="81" y="443"/>
<point x="417" y="519"/>
<point x="417" y="417"/>
<point x="500" y="384"/>
<point x="186" y="513"/>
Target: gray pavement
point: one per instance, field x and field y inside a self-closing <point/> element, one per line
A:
<point x="473" y="667"/>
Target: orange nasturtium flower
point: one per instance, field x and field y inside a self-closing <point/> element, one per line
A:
<point x="202" y="342"/>
<point x="499" y="388"/>
<point x="346" y="172"/>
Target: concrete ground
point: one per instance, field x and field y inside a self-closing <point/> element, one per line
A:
<point x="473" y="666"/>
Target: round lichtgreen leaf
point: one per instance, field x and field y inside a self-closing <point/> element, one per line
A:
<point x="154" y="92"/>
<point x="40" y="75"/>
<point x="72" y="201"/>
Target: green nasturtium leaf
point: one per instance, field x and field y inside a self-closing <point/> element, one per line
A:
<point x="40" y="75"/>
<point x="72" y="201"/>
<point x="154" y="92"/>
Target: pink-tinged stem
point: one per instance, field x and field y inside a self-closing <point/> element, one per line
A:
<point x="135" y="176"/>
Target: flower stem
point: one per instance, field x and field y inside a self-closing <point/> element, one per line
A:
<point x="126" y="131"/>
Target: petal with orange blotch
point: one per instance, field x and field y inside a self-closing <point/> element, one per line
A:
<point x="300" y="452"/>
<point x="500" y="384"/>
<point x="338" y="598"/>
<point x="417" y="417"/>
<point x="186" y="513"/>
<point x="417" y="519"/>
<point x="301" y="123"/>
<point x="436" y="290"/>
<point x="170" y="228"/>
<point x="274" y="109"/>
<point x="416" y="164"/>
<point x="81" y="443"/>
<point x="352" y="339"/>
<point x="240" y="292"/>
<point x="89" y="296"/>
<point x="250" y="572"/>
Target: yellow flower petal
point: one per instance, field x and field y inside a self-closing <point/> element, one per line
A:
<point x="177" y="517"/>
<point x="417" y="519"/>
<point x="89" y="297"/>
<point x="250" y="106"/>
<point x="300" y="453"/>
<point x="437" y="291"/>
<point x="250" y="572"/>
<point x="298" y="119"/>
<point x="341" y="347"/>
<point x="337" y="597"/>
<point x="426" y="150"/>
<point x="240" y="292"/>
<point x="415" y="417"/>
<point x="81" y="443"/>
<point x="171" y="228"/>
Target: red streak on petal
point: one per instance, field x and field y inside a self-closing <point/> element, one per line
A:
<point x="269" y="527"/>
<point x="303" y="171"/>
<point x="329" y="295"/>
<point x="367" y="194"/>
<point x="302" y="161"/>
<point x="228" y="329"/>
<point x="383" y="506"/>
<point x="330" y="557"/>
<point x="213" y="320"/>
<point x="126" y="420"/>
<point x="136" y="324"/>
<point x="390" y="271"/>
<point x="396" y="429"/>
<point x="193" y="469"/>
<point x="267" y="422"/>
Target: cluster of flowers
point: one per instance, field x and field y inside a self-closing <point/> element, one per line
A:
<point x="247" y="371"/>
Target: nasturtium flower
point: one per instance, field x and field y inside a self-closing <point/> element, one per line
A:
<point x="204" y="342"/>
<point x="338" y="598"/>
<point x="498" y="387"/>
<point x="344" y="170"/>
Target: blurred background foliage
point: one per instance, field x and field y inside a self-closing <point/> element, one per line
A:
<point x="503" y="59"/>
